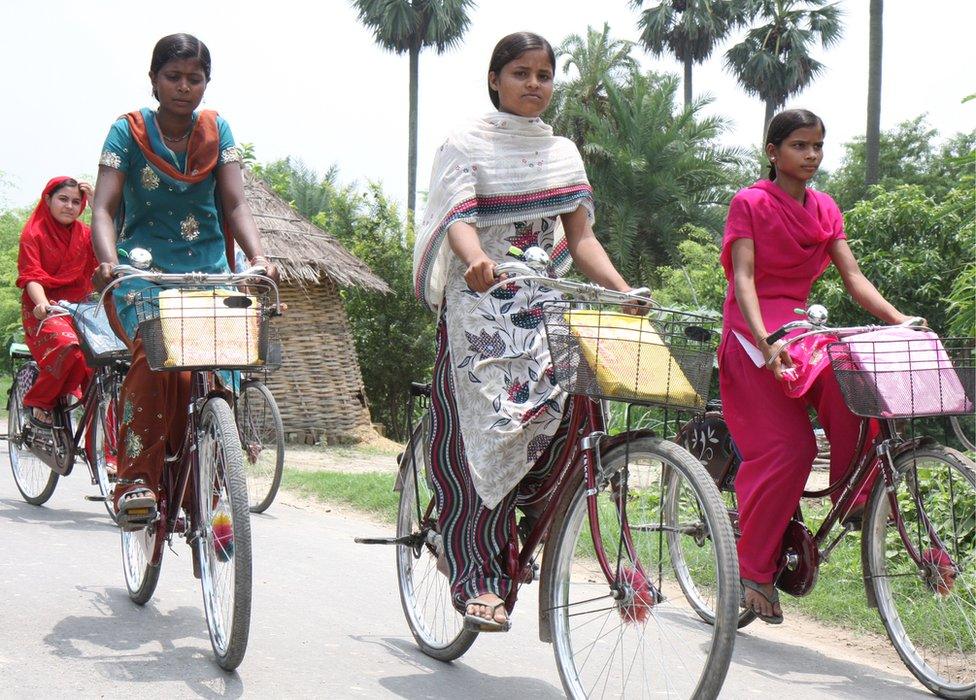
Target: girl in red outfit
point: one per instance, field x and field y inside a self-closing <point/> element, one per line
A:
<point x="780" y="236"/>
<point x="55" y="263"/>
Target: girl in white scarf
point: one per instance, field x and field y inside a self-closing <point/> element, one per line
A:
<point x="500" y="182"/>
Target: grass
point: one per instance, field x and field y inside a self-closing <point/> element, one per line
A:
<point x="369" y="492"/>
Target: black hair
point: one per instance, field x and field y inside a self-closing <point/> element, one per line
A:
<point x="179" y="46"/>
<point x="784" y="124"/>
<point x="510" y="48"/>
<point x="67" y="182"/>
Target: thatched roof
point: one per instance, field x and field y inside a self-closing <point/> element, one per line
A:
<point x="302" y="251"/>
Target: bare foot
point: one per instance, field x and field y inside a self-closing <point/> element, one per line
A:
<point x="488" y="606"/>
<point x="755" y="601"/>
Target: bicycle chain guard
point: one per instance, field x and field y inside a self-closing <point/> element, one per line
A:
<point x="799" y="564"/>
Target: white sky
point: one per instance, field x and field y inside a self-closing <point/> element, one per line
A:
<point x="305" y="79"/>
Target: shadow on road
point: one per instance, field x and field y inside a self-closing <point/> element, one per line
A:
<point x="58" y="518"/>
<point x="129" y="643"/>
<point x="437" y="679"/>
<point x="814" y="671"/>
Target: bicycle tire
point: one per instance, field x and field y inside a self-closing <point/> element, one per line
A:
<point x="262" y="441"/>
<point x="34" y="479"/>
<point x="105" y="434"/>
<point x="425" y="592"/>
<point x="580" y="596"/>
<point x="139" y="549"/>
<point x="913" y="600"/>
<point x="224" y="542"/>
<point x="964" y="439"/>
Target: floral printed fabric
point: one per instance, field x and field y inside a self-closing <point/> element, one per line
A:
<point x="507" y="398"/>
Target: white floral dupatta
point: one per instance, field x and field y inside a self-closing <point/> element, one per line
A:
<point x="501" y="169"/>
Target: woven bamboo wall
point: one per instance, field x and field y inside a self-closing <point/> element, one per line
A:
<point x="319" y="387"/>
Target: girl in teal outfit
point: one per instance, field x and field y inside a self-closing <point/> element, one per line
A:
<point x="169" y="181"/>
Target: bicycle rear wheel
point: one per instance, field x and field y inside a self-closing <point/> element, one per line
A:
<point x="928" y="610"/>
<point x="636" y="635"/>
<point x="35" y="480"/>
<point x="263" y="443"/>
<point x="224" y="541"/>
<point x="105" y="436"/>
<point x="425" y="591"/>
<point x="139" y="549"/>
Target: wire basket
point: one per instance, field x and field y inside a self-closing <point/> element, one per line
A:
<point x="899" y="373"/>
<point x="664" y="358"/>
<point x="206" y="327"/>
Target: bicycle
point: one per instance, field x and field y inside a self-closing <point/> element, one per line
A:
<point x="200" y="323"/>
<point x="39" y="456"/>
<point x="262" y="440"/>
<point x="918" y="538"/>
<point x="608" y="603"/>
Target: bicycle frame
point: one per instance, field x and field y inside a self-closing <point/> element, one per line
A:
<point x="569" y="469"/>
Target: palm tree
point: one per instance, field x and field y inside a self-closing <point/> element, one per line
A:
<point x="689" y="29"/>
<point x="597" y="61"/>
<point x="655" y="169"/>
<point x="773" y="62"/>
<point x="410" y="26"/>
<point x="872" y="139"/>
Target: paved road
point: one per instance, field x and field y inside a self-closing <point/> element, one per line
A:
<point x="326" y="622"/>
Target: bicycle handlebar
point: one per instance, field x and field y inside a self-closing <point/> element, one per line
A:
<point x="585" y="291"/>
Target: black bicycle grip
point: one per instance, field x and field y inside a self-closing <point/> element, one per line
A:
<point x="776" y="335"/>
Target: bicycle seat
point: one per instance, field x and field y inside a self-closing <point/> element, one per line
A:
<point x="19" y="350"/>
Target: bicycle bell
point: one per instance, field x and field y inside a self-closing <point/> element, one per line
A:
<point x="536" y="258"/>
<point x="140" y="258"/>
<point x="817" y="314"/>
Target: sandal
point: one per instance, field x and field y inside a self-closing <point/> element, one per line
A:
<point x="137" y="509"/>
<point x="772" y="600"/>
<point x="481" y="624"/>
<point x="40" y="422"/>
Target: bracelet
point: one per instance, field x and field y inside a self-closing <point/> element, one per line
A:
<point x="257" y="258"/>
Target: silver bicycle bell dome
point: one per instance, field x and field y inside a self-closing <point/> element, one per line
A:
<point x="536" y="258"/>
<point x="140" y="258"/>
<point x="817" y="314"/>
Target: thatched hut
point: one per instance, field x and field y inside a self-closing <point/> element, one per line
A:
<point x="319" y="387"/>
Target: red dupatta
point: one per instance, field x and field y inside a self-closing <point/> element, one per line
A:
<point x="202" y="157"/>
<point x="58" y="257"/>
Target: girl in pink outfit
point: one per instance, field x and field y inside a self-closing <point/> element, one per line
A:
<point x="780" y="236"/>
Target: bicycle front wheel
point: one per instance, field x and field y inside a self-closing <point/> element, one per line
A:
<point x="425" y="591"/>
<point x="928" y="609"/>
<point x="263" y="443"/>
<point x="633" y="633"/>
<point x="35" y="480"/>
<point x="224" y="534"/>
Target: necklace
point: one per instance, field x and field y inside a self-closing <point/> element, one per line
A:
<point x="175" y="140"/>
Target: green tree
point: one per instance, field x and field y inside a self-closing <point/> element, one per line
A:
<point x="912" y="247"/>
<point x="909" y="154"/>
<point x="655" y="168"/>
<point x="773" y="62"/>
<point x="873" y="132"/>
<point x="410" y="26"/>
<point x="697" y="282"/>
<point x="596" y="60"/>
<point x="689" y="29"/>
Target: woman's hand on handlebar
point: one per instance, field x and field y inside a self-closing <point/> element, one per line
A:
<point x="41" y="311"/>
<point x="103" y="275"/>
<point x="480" y="274"/>
<point x="778" y="361"/>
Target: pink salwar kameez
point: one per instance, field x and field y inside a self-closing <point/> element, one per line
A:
<point x="767" y="418"/>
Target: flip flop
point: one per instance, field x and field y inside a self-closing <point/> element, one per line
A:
<point x="480" y="624"/>
<point x="772" y="600"/>
<point x="38" y="423"/>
